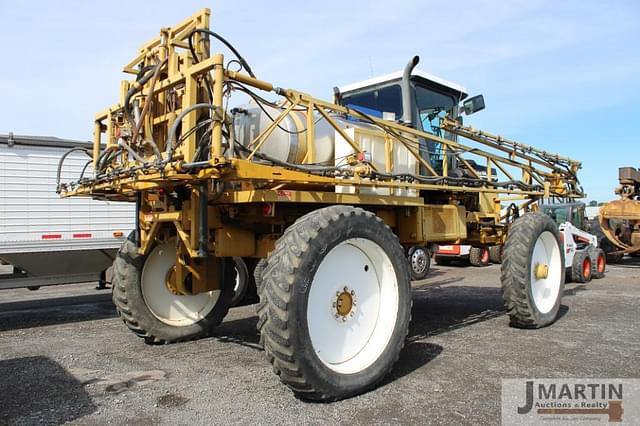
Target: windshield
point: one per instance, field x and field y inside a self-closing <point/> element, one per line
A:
<point x="432" y="107"/>
<point x="559" y="214"/>
<point x="375" y="102"/>
<point x="571" y="213"/>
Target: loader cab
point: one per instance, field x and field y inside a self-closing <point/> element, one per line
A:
<point x="566" y="212"/>
<point x="430" y="98"/>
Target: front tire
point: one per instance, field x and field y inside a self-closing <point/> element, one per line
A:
<point x="532" y="298"/>
<point x="599" y="262"/>
<point x="338" y="293"/>
<point x="582" y="267"/>
<point x="150" y="310"/>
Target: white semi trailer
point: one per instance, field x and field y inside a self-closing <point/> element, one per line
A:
<point x="46" y="240"/>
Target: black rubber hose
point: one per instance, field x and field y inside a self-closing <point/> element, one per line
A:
<point x="172" y="131"/>
<point x="105" y="158"/>
<point x="242" y="61"/>
<point x="144" y="76"/>
<point x="64" y="156"/>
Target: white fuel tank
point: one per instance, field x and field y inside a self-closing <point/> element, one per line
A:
<point x="288" y="142"/>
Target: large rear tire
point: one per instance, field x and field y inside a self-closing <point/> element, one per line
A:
<point x="338" y="295"/>
<point x="532" y="271"/>
<point x="150" y="310"/>
<point x="262" y="308"/>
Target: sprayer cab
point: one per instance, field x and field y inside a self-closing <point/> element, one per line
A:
<point x="413" y="98"/>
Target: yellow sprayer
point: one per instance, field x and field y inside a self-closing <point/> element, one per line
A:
<point x="322" y="199"/>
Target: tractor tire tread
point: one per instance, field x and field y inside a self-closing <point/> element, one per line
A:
<point x="280" y="271"/>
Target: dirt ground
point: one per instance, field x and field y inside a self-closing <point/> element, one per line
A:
<point x="66" y="357"/>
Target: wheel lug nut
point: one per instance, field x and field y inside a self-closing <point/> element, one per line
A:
<point x="344" y="319"/>
<point x="353" y="293"/>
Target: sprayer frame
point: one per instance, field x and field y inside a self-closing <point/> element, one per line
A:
<point x="230" y="206"/>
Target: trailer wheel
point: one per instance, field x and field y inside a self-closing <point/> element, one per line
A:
<point x="241" y="283"/>
<point x="582" y="266"/>
<point x="479" y="256"/>
<point x="419" y="262"/>
<point x="599" y="262"/>
<point x="532" y="271"/>
<point x="495" y="253"/>
<point x="338" y="294"/>
<point x="154" y="313"/>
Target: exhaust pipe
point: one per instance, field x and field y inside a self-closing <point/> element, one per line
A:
<point x="407" y="95"/>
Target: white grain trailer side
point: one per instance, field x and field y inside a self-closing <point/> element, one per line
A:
<point x="44" y="239"/>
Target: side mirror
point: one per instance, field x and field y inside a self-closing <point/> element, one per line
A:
<point x="473" y="104"/>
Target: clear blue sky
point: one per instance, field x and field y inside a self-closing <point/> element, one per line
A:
<point x="560" y="75"/>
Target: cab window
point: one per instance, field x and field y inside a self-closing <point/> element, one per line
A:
<point x="377" y="101"/>
<point x="432" y="107"/>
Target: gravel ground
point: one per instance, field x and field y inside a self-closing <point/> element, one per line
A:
<point x="65" y="357"/>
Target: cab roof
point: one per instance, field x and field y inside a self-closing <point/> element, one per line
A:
<point x="416" y="75"/>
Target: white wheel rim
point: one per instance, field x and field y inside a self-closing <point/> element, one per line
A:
<point x="352" y="343"/>
<point x="171" y="309"/>
<point x="545" y="291"/>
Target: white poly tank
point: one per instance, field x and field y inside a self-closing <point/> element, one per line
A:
<point x="288" y="142"/>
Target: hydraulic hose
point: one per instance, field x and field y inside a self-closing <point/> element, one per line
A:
<point x="143" y="77"/>
<point x="105" y="157"/>
<point x="64" y="156"/>
<point x="145" y="109"/>
<point x="172" y="132"/>
<point x="242" y="61"/>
